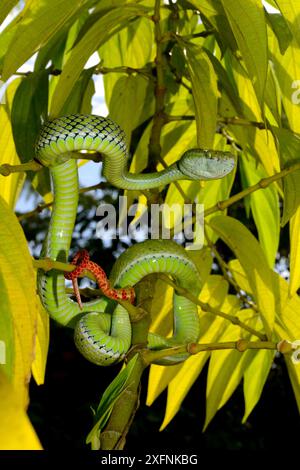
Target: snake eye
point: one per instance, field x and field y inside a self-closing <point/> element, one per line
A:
<point x="206" y="164"/>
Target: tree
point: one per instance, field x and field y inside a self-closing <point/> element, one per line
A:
<point x="212" y="74"/>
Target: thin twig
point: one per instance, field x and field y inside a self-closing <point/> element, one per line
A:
<point x="241" y="345"/>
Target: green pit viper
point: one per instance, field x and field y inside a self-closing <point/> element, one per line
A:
<point x="101" y="335"/>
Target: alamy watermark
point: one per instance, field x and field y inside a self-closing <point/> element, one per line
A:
<point x="2" y="92"/>
<point x="296" y="94"/>
<point x="159" y="221"/>
<point x="2" y="352"/>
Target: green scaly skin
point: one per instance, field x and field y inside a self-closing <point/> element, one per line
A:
<point x="102" y="337"/>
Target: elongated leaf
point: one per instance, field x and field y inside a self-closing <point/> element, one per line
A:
<point x="131" y="92"/>
<point x="5" y="7"/>
<point x="99" y="33"/>
<point x="255" y="378"/>
<point x="265" y="209"/>
<point x="179" y="386"/>
<point x="295" y="253"/>
<point x="254" y="262"/>
<point x="215" y="14"/>
<point x="289" y="145"/>
<point x="226" y="368"/>
<point x="213" y="292"/>
<point x="10" y="186"/>
<point x="109" y="398"/>
<point x="205" y="93"/>
<point x="280" y="28"/>
<point x="291" y="13"/>
<point x="37" y="23"/>
<point x="19" y="290"/>
<point x="130" y="47"/>
<point x="75" y="102"/>
<point x="41" y="344"/>
<point x="29" y="111"/>
<point x="16" y="432"/>
<point x="287" y="69"/>
<point x="29" y="106"/>
<point x="248" y="25"/>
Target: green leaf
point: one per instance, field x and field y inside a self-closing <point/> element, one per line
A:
<point x="109" y="398"/>
<point x="289" y="146"/>
<point x="215" y="14"/>
<point x="291" y="12"/>
<point x="265" y="209"/>
<point x="248" y="25"/>
<point x="29" y="106"/>
<point x="280" y="29"/>
<point x="97" y="35"/>
<point x="130" y="47"/>
<point x="10" y="186"/>
<point x="205" y="93"/>
<point x="82" y="90"/>
<point x="295" y="253"/>
<point x="19" y="312"/>
<point x="38" y="22"/>
<point x="5" y="7"/>
<point x="254" y="262"/>
<point x="287" y="70"/>
<point x="225" y="84"/>
<point x="131" y="93"/>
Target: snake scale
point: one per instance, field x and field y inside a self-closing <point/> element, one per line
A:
<point x="102" y="330"/>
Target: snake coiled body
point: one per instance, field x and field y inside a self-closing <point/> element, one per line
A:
<point x="103" y="336"/>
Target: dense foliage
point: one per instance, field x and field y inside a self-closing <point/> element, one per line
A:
<point x="221" y="74"/>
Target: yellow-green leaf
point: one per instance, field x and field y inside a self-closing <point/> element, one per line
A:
<point x="99" y="32"/>
<point x="290" y="10"/>
<point x="18" y="285"/>
<point x="205" y="93"/>
<point x="287" y="69"/>
<point x="295" y="253"/>
<point x="131" y="92"/>
<point x="179" y="386"/>
<point x="254" y="262"/>
<point x="36" y="24"/>
<point x="5" y="7"/>
<point x="248" y="25"/>
<point x="131" y="47"/>
<point x="41" y="344"/>
<point x="265" y="209"/>
<point x="16" y="431"/>
<point x="255" y="377"/>
<point x="226" y="368"/>
<point x="289" y="145"/>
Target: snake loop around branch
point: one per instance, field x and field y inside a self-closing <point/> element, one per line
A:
<point x="104" y="336"/>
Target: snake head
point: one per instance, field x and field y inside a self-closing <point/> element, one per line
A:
<point x="206" y="164"/>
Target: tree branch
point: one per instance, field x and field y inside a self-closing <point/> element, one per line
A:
<point x="242" y="345"/>
<point x="262" y="184"/>
<point x="32" y="165"/>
